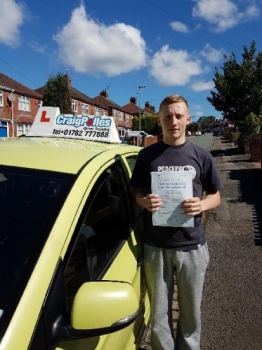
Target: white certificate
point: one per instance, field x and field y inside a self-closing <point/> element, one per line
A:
<point x="172" y="188"/>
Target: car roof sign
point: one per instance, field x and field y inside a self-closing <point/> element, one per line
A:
<point x="49" y="122"/>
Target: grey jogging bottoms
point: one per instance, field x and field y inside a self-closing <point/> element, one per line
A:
<point x="189" y="268"/>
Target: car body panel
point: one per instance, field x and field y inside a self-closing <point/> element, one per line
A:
<point x="87" y="159"/>
<point x="51" y="154"/>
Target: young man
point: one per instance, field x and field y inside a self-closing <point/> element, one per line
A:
<point x="179" y="251"/>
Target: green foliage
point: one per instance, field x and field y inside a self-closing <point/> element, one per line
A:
<point x="236" y="134"/>
<point x="207" y="120"/>
<point x="57" y="93"/>
<point x="148" y="124"/>
<point x="135" y="123"/>
<point x="238" y="86"/>
<point x="252" y="125"/>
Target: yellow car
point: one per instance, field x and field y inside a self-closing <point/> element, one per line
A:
<point x="70" y="252"/>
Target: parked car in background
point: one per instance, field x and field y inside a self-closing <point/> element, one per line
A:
<point x="132" y="133"/>
<point x="198" y="133"/>
<point x="216" y="133"/>
<point x="123" y="140"/>
<point x="70" y="250"/>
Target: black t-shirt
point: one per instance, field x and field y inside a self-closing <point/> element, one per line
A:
<point x="161" y="157"/>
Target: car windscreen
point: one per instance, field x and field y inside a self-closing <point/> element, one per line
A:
<point x="30" y="201"/>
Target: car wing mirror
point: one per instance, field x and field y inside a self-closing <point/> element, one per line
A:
<point x="99" y="308"/>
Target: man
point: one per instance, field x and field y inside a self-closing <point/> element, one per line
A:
<point x="179" y="251"/>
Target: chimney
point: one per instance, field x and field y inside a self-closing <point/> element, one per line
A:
<point x="133" y="100"/>
<point x="68" y="81"/>
<point x="104" y="93"/>
<point x="147" y="105"/>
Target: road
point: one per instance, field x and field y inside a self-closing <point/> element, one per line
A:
<point x="232" y="308"/>
<point x="205" y="141"/>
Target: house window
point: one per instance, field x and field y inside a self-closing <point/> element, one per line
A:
<point x="24" y="103"/>
<point x="120" y="116"/>
<point x="105" y="113"/>
<point x="74" y="106"/>
<point x="22" y="129"/>
<point x="1" y="98"/>
<point x="127" y="118"/>
<point x="97" y="111"/>
<point x="84" y="109"/>
<point x="39" y="103"/>
<point x="121" y="132"/>
<point x="114" y="114"/>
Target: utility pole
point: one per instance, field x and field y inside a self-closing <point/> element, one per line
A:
<point x="139" y="116"/>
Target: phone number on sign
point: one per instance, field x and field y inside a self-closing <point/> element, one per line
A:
<point x="81" y="133"/>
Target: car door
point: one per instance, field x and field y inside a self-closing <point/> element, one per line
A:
<point x="107" y="245"/>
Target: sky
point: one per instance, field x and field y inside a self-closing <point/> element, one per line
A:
<point x="147" y="49"/>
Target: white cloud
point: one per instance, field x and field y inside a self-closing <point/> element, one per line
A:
<point x="179" y="27"/>
<point x="228" y="17"/>
<point x="199" y="113"/>
<point x="196" y="106"/>
<point x="202" y="85"/>
<point x="92" y="47"/>
<point x="252" y="11"/>
<point x="174" y="67"/>
<point x="211" y="54"/>
<point x="37" y="47"/>
<point x="12" y="16"/>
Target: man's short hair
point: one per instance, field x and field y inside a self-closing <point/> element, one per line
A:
<point x="172" y="99"/>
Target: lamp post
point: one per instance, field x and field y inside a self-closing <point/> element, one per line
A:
<point x="139" y="117"/>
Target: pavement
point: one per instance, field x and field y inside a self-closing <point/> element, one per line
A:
<point x="232" y="296"/>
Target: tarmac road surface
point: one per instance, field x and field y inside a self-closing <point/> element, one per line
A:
<point x="205" y="141"/>
<point x="232" y="298"/>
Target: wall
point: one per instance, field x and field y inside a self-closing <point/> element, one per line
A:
<point x="255" y="148"/>
<point x="149" y="141"/>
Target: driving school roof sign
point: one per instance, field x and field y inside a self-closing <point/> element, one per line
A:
<point x="50" y="123"/>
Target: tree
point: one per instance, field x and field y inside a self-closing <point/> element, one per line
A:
<point x="252" y="125"/>
<point x="148" y="123"/>
<point x="239" y="85"/>
<point x="57" y="93"/>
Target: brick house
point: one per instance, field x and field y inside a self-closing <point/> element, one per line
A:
<point x="122" y="118"/>
<point x="133" y="109"/>
<point x="18" y="107"/>
<point x="148" y="110"/>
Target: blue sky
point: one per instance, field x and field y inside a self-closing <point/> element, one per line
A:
<point x="171" y="46"/>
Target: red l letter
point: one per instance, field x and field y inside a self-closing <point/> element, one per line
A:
<point x="43" y="118"/>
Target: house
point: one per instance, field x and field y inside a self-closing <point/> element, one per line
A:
<point x="148" y="110"/>
<point x="18" y="107"/>
<point x="133" y="109"/>
<point x="122" y="118"/>
<point x="100" y="105"/>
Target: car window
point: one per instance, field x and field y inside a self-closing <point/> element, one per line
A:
<point x="106" y="223"/>
<point x="131" y="162"/>
<point x="30" y="201"/>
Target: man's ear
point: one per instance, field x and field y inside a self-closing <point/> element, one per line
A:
<point x="189" y="118"/>
<point x="158" y="121"/>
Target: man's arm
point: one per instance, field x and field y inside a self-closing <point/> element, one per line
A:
<point x="151" y="202"/>
<point x="195" y="206"/>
